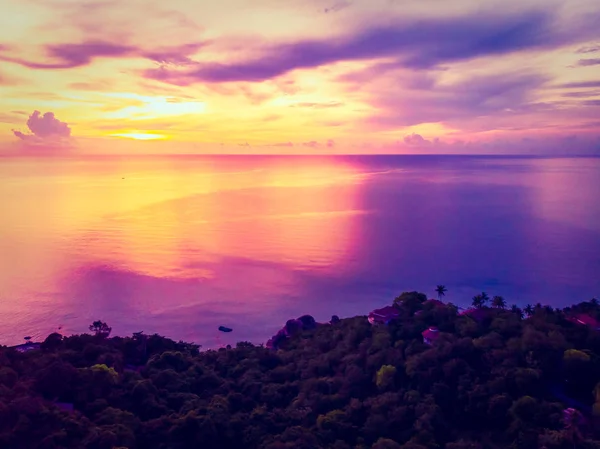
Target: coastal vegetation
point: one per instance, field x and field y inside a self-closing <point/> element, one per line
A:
<point x="499" y="378"/>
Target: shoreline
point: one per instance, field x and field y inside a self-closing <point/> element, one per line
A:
<point x="286" y="332"/>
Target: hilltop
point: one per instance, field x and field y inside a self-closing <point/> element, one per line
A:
<point x="491" y="379"/>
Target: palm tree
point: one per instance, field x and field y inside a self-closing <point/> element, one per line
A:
<point x="478" y="301"/>
<point x="515" y="309"/>
<point x="499" y="302"/>
<point x="441" y="291"/>
<point x="528" y="310"/>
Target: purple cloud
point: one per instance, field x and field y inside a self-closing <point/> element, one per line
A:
<point x="311" y="144"/>
<point x="68" y="56"/>
<point x="338" y="6"/>
<point x="557" y="144"/>
<point x="416" y="140"/>
<point x="588" y="62"/>
<point x="423" y="43"/>
<point x="580" y="85"/>
<point x="584" y="94"/>
<point x="43" y="128"/>
<point x="483" y="96"/>
<point x="330" y="104"/>
<point x="177" y="56"/>
<point x="588" y="49"/>
<point x="330" y="143"/>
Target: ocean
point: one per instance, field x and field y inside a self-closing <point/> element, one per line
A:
<point x="179" y="245"/>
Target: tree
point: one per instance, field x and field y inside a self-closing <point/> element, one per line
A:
<point x="515" y="309"/>
<point x="575" y="356"/>
<point x="411" y="298"/>
<point x="441" y="291"/>
<point x="410" y="301"/>
<point x="572" y="420"/>
<point x="499" y="302"/>
<point x="594" y="301"/>
<point x="386" y="443"/>
<point x="52" y="341"/>
<point x="462" y="444"/>
<point x="493" y="381"/>
<point x="385" y="377"/>
<point x="478" y="301"/>
<point x="100" y="329"/>
<point x="528" y="310"/>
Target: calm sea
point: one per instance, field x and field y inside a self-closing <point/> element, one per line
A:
<point x="181" y="245"/>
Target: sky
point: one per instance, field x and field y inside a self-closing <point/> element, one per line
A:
<point x="300" y="76"/>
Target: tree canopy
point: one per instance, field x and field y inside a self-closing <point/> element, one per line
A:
<point x="502" y="381"/>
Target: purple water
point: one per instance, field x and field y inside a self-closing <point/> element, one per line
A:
<point x="181" y="245"/>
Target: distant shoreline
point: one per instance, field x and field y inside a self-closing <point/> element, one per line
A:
<point x="294" y="155"/>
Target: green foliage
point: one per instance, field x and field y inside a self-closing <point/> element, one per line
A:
<point x="385" y="377"/>
<point x="104" y="370"/>
<point x="575" y="356"/>
<point x="502" y="382"/>
<point x="410" y="301"/>
<point x="386" y="443"/>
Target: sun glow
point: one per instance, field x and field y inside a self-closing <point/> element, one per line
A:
<point x="140" y="136"/>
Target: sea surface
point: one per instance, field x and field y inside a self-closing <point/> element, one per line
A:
<point x="180" y="245"/>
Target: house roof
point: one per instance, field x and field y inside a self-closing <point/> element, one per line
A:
<point x="585" y="320"/>
<point x="477" y="314"/>
<point x="431" y="334"/>
<point x="29" y="346"/>
<point x="385" y="313"/>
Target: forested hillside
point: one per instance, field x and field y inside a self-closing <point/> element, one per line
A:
<point x="495" y="379"/>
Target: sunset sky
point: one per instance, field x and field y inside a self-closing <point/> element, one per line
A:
<point x="300" y="76"/>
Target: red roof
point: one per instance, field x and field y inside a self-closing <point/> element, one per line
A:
<point x="431" y="334"/>
<point x="384" y="314"/>
<point x="585" y="320"/>
<point x="477" y="314"/>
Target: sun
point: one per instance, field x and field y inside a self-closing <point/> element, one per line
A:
<point x="140" y="136"/>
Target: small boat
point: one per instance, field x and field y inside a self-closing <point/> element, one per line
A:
<point x="225" y="329"/>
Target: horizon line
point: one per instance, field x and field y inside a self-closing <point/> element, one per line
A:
<point x="473" y="155"/>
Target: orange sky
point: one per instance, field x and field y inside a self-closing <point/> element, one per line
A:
<point x="300" y="76"/>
